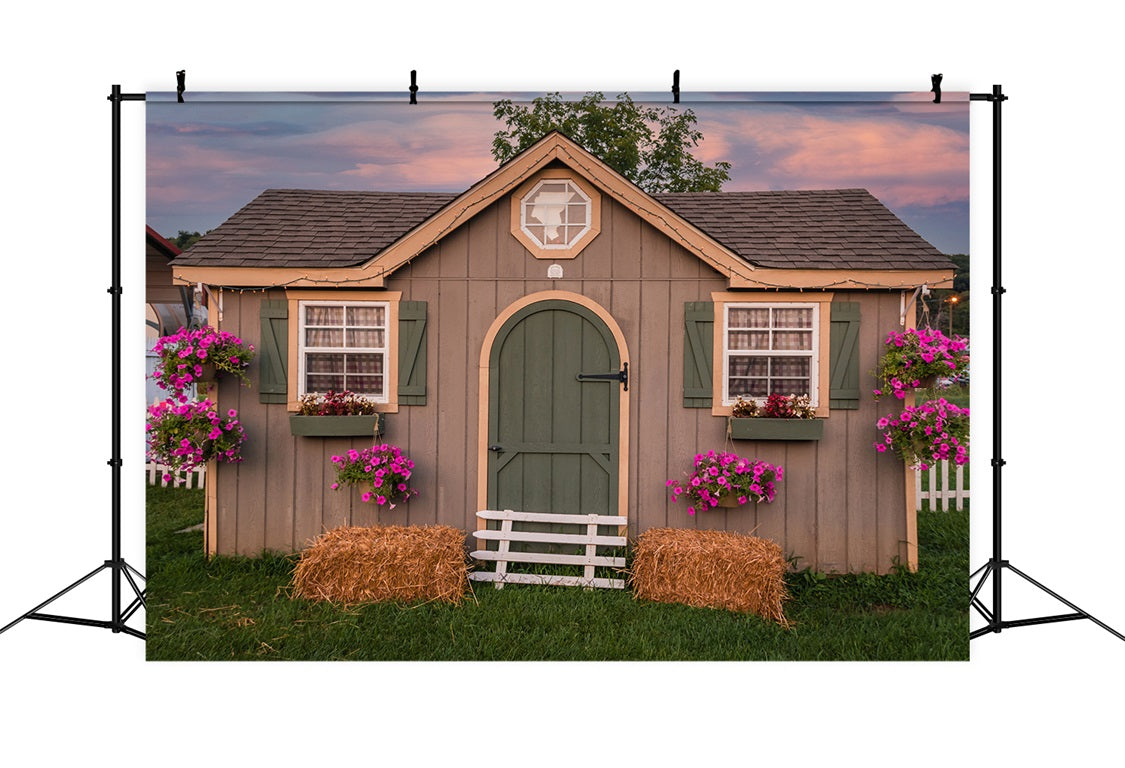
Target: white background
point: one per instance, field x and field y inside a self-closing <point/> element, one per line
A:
<point x="1037" y="695"/>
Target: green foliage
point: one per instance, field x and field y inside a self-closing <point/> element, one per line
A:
<point x="938" y="304"/>
<point x="184" y="239"/>
<point x="239" y="608"/>
<point x="650" y="146"/>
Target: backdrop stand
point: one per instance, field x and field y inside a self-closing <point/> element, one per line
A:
<point x="116" y="564"/>
<point x="996" y="566"/>
<point x="121" y="569"/>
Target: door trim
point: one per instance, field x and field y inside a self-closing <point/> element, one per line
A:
<point x="623" y="410"/>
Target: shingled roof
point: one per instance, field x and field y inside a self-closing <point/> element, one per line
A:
<point x="313" y="228"/>
<point x="808" y="229"/>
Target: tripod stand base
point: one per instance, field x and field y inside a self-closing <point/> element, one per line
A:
<point x="996" y="624"/>
<point x="116" y="623"/>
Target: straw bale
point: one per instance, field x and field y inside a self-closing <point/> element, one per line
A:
<point x="710" y="569"/>
<point x="351" y="565"/>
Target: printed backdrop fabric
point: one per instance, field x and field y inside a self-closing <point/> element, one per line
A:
<point x="554" y="318"/>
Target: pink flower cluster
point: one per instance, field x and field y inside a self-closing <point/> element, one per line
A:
<point x="333" y="403"/>
<point x="725" y="474"/>
<point x="918" y="353"/>
<point x="936" y="430"/>
<point x="186" y="435"/>
<point x="184" y="353"/>
<point x="382" y="470"/>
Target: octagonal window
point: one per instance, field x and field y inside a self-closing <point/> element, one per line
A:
<point x="555" y="214"/>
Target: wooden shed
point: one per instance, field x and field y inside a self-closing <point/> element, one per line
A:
<point x="468" y="317"/>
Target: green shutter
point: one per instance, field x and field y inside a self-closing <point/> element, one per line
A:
<point x="699" y="330"/>
<point x="843" y="359"/>
<point x="273" y="352"/>
<point x="412" y="353"/>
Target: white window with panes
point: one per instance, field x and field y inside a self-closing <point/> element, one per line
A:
<point x="343" y="346"/>
<point x="555" y="213"/>
<point x="770" y="349"/>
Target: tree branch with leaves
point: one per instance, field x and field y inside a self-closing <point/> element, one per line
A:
<point x="651" y="146"/>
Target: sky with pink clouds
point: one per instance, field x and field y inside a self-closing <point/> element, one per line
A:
<point x="208" y="157"/>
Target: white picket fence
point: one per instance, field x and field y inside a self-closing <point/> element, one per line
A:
<point x="589" y="540"/>
<point x="942" y="494"/>
<point x="180" y="479"/>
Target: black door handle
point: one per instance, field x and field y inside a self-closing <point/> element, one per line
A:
<point x="496" y="448"/>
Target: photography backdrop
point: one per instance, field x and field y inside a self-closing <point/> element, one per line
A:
<point x="1069" y="702"/>
<point x="310" y="201"/>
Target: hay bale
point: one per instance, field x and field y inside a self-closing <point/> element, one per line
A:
<point x="710" y="569"/>
<point x="351" y="565"/>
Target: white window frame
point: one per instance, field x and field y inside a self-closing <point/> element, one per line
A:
<point x="813" y="354"/>
<point x="302" y="349"/>
<point x="564" y="246"/>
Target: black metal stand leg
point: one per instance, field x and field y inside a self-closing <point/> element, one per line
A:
<point x="1081" y="614"/>
<point x="996" y="565"/>
<point x="32" y="614"/>
<point x="996" y="624"/>
<point x="115" y="623"/>
<point x="116" y="564"/>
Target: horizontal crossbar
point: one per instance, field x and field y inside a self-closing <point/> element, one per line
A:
<point x="550" y="558"/>
<point x="70" y="620"/>
<point x="1044" y="620"/>
<point x="605" y="449"/>
<point x="550" y="580"/>
<point x="552" y="538"/>
<point x="550" y="517"/>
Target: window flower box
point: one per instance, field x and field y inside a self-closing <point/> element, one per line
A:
<point x="781" y="417"/>
<point x="371" y="425"/>
<point x="763" y="428"/>
<point x="336" y="414"/>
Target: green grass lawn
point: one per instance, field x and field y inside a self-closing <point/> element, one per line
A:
<point x="239" y="608"/>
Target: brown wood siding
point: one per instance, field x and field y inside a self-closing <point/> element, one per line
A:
<point x="158" y="279"/>
<point x="839" y="509"/>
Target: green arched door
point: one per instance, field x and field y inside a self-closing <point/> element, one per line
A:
<point x="554" y="439"/>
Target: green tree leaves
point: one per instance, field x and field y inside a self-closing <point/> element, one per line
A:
<point x="650" y="146"/>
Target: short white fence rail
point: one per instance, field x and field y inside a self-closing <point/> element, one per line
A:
<point x="180" y="479"/>
<point x="590" y="560"/>
<point x="942" y="495"/>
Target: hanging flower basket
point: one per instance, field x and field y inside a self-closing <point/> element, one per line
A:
<point x="726" y="480"/>
<point x="729" y="501"/>
<point x="208" y="374"/>
<point x="916" y="357"/>
<point x="925" y="382"/>
<point x="198" y="357"/>
<point x="381" y="472"/>
<point x="187" y="435"/>
<point x="933" y="431"/>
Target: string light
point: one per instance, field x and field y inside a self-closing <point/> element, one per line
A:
<point x="850" y="282"/>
